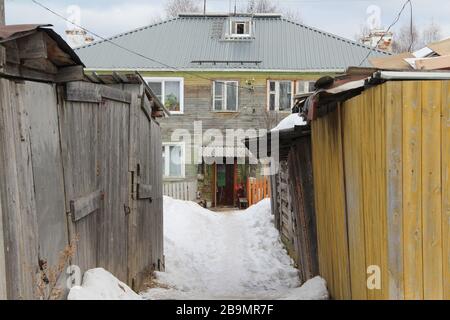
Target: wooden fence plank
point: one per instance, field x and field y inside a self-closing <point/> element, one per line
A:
<point x="352" y="143"/>
<point x="394" y="158"/>
<point x="431" y="190"/>
<point x="446" y="189"/>
<point x="412" y="190"/>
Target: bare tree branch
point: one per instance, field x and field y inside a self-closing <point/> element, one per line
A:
<point x="175" y="7"/>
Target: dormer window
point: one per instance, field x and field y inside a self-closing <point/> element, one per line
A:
<point x="240" y="28"/>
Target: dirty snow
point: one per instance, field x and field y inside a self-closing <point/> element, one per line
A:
<point x="99" y="284"/>
<point x="234" y="255"/>
<point x="290" y="122"/>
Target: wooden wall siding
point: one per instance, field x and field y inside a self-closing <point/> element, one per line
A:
<point x="302" y="196"/>
<point x="446" y="188"/>
<point x="20" y="228"/>
<point x="198" y="104"/>
<point x="330" y="205"/>
<point x="181" y="190"/>
<point x="79" y="126"/>
<point x="285" y="211"/>
<point x="47" y="170"/>
<point x="396" y="162"/>
<point x="60" y="155"/>
<point x="292" y="204"/>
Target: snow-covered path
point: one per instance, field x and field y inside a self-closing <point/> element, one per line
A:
<point x="232" y="255"/>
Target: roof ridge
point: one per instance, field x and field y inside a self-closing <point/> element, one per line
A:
<point x="122" y="34"/>
<point x="337" y="37"/>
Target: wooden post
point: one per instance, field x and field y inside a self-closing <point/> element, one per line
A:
<point x="2" y="12"/>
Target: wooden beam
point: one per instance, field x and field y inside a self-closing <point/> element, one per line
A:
<point x="91" y="92"/>
<point x="144" y="191"/>
<point x="82" y="207"/>
<point x="120" y="77"/>
<point x="83" y="92"/>
<point x="67" y="74"/>
<point x="17" y="71"/>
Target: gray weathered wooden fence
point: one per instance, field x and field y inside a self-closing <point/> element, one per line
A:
<point x="181" y="190"/>
<point x="79" y="160"/>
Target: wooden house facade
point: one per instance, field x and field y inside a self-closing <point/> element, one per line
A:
<point x="215" y="75"/>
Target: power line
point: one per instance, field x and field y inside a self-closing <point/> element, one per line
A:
<point x="175" y="69"/>
<point x="388" y="29"/>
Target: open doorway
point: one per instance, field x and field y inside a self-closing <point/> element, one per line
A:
<point x="225" y="184"/>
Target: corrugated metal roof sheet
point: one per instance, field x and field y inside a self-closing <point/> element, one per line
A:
<point x="277" y="44"/>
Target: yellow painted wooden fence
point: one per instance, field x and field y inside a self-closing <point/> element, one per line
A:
<point x="257" y="190"/>
<point x="382" y="188"/>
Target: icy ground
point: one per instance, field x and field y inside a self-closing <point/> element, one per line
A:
<point x="233" y="255"/>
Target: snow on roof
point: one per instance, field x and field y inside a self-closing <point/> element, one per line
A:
<point x="290" y="122"/>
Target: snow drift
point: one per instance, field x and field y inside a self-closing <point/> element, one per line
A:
<point x="99" y="284"/>
<point x="226" y="255"/>
<point x="235" y="255"/>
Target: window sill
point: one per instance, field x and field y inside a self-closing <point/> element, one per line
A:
<point x="225" y="111"/>
<point x="173" y="179"/>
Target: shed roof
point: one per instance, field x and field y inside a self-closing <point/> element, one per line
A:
<point x="198" y="42"/>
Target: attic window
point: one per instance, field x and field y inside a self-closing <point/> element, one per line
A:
<point x="240" y="28"/>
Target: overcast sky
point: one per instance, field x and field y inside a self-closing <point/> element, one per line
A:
<point x="341" y="17"/>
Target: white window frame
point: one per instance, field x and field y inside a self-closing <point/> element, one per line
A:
<point x="305" y="83"/>
<point x="277" y="94"/>
<point x="163" y="89"/>
<point x="244" y="22"/>
<point x="224" y="96"/>
<point x="166" y="146"/>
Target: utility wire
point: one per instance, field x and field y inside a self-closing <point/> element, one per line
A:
<point x="388" y="29"/>
<point x="175" y="69"/>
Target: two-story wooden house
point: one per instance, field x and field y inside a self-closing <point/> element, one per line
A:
<point x="218" y="72"/>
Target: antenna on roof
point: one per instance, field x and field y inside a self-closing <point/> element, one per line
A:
<point x="204" y="7"/>
<point x="235" y="7"/>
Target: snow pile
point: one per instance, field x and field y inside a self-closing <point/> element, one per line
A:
<point x="99" y="284"/>
<point x="290" y="122"/>
<point x="235" y="255"/>
<point x="314" y="289"/>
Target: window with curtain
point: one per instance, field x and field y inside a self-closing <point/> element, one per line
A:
<point x="280" y="95"/>
<point x="225" y="95"/>
<point x="173" y="160"/>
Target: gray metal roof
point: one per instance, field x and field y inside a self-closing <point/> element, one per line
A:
<point x="197" y="42"/>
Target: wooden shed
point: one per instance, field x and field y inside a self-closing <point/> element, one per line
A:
<point x="381" y="159"/>
<point x="78" y="161"/>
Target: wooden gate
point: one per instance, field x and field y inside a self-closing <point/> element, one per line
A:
<point x="145" y="245"/>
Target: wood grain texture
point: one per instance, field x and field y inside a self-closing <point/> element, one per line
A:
<point x="446" y="188"/>
<point x="16" y="192"/>
<point x="82" y="207"/>
<point x="394" y="192"/>
<point x="431" y="190"/>
<point x="412" y="190"/>
<point x="330" y="205"/>
<point x="353" y="161"/>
